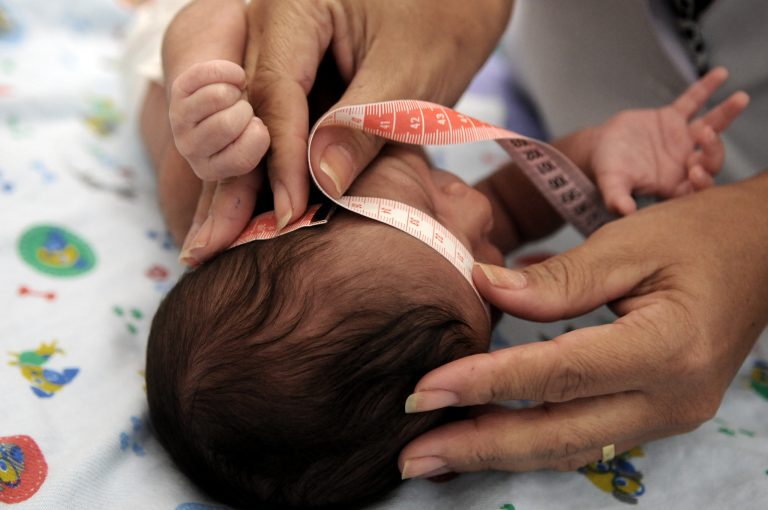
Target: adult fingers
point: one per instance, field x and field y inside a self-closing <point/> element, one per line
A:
<point x="695" y="96"/>
<point x="561" y="436"/>
<point x="339" y="155"/>
<point x="201" y="213"/>
<point x="230" y="209"/>
<point x="582" y="363"/>
<point x="283" y="74"/>
<point x="566" y="285"/>
<point x="285" y="112"/>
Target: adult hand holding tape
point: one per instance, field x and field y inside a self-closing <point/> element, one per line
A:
<point x="373" y="45"/>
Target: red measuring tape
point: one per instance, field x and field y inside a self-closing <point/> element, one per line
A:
<point x="569" y="191"/>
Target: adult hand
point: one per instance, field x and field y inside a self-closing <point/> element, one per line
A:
<point x="689" y="283"/>
<point x="384" y="50"/>
<point x="215" y="130"/>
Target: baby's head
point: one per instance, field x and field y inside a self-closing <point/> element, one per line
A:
<point x="277" y="373"/>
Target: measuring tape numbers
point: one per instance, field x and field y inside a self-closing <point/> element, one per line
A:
<point x="566" y="188"/>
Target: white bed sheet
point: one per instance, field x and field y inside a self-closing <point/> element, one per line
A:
<point x="86" y="259"/>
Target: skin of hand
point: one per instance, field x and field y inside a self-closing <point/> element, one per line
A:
<point x="203" y="48"/>
<point x="215" y="130"/>
<point x="384" y="50"/>
<point x="688" y="281"/>
<point x="213" y="126"/>
<point x="663" y="151"/>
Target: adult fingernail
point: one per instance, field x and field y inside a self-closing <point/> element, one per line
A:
<point x="424" y="467"/>
<point x="193" y="230"/>
<point x="198" y="241"/>
<point x="503" y="277"/>
<point x="189" y="262"/>
<point x="429" y="400"/>
<point x="334" y="159"/>
<point x="283" y="208"/>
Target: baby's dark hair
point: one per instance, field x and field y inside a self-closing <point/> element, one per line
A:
<point x="277" y="373"/>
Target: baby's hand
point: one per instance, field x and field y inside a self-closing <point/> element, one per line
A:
<point x="664" y="151"/>
<point x="213" y="127"/>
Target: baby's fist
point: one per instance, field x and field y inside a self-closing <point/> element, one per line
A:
<point x="214" y="128"/>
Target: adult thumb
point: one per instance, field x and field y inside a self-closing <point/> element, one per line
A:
<point x="561" y="287"/>
<point x="338" y="155"/>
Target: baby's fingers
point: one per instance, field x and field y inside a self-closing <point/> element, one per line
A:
<point x="695" y="96"/>
<point x="711" y="150"/>
<point x="721" y="116"/>
<point x="617" y="192"/>
<point x="242" y="155"/>
<point x="206" y="73"/>
<point x="213" y="135"/>
<point x="203" y="103"/>
<point x="699" y="178"/>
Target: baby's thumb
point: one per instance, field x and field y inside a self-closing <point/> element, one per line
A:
<point x="339" y="155"/>
<point x="617" y="193"/>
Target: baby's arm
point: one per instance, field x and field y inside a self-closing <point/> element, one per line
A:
<point x="659" y="151"/>
<point x="195" y="35"/>
<point x="213" y="125"/>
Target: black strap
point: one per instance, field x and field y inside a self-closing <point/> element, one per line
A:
<point x="687" y="14"/>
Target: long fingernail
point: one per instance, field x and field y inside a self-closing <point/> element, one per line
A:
<point x="424" y="467"/>
<point x="193" y="230"/>
<point x="503" y="277"/>
<point x="332" y="161"/>
<point x="429" y="400"/>
<point x="199" y="241"/>
<point x="190" y="262"/>
<point x="283" y="208"/>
